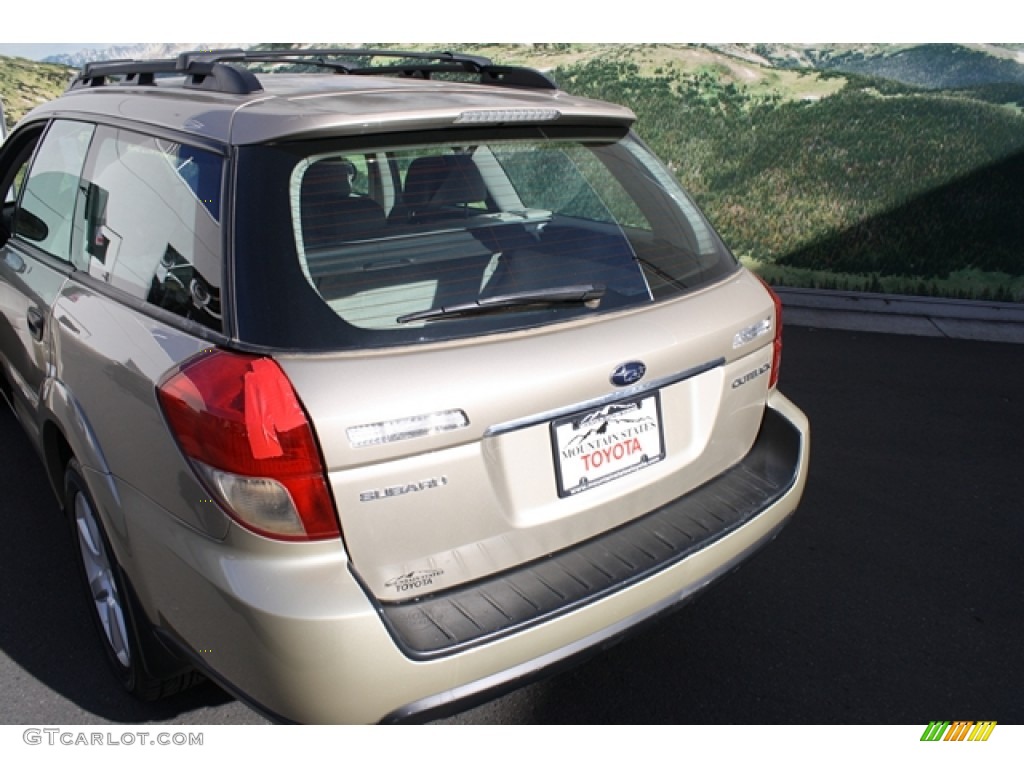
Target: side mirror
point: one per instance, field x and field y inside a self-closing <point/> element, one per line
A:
<point x="31" y="227"/>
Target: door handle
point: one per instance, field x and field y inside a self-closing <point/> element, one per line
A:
<point x="36" y="322"/>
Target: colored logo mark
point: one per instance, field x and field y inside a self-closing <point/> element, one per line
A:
<point x="960" y="730"/>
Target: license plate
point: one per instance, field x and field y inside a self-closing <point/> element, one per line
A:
<point x="609" y="442"/>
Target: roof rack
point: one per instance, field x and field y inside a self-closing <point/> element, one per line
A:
<point x="204" y="74"/>
<point x="215" y="70"/>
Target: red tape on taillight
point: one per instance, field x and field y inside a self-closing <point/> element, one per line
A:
<point x="270" y="408"/>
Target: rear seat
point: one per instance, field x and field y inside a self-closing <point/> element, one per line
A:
<point x="330" y="214"/>
<point x="438" y="188"/>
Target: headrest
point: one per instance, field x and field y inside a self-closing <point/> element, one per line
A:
<point x="328" y="179"/>
<point x="443" y="180"/>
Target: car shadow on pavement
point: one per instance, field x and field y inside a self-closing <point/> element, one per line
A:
<point x="46" y="630"/>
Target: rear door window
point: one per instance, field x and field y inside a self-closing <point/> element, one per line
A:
<point x="149" y="222"/>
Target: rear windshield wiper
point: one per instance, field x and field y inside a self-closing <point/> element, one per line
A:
<point x="567" y="294"/>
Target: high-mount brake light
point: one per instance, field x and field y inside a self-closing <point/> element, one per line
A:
<point x="239" y="422"/>
<point x="490" y="116"/>
<point x="773" y="380"/>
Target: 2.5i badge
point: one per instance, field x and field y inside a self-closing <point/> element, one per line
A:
<point x="601" y="445"/>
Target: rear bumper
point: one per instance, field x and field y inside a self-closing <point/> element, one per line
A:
<point x="768" y="481"/>
<point x="484" y="610"/>
<point x="300" y="639"/>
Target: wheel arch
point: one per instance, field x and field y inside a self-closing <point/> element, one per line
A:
<point x="67" y="433"/>
<point x="57" y="453"/>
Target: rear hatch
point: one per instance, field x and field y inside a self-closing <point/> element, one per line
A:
<point x="481" y="457"/>
<point x="508" y="342"/>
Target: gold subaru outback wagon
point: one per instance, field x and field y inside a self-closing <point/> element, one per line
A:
<point x="373" y="392"/>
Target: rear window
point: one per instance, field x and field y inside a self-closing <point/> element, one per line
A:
<point x="350" y="245"/>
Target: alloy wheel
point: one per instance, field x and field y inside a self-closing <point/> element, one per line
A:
<point x="99" y="572"/>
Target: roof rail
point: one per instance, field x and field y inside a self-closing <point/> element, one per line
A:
<point x="214" y="70"/>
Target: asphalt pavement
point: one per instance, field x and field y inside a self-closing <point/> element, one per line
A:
<point x="894" y="596"/>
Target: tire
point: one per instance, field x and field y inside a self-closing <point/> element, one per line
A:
<point x="138" y="659"/>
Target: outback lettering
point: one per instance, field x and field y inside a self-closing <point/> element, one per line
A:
<point x="739" y="382"/>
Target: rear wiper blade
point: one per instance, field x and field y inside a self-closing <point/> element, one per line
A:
<point x="589" y="294"/>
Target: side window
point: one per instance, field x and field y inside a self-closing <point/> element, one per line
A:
<point x="51" y="189"/>
<point x="13" y="174"/>
<point x="149" y="222"/>
<point x="15" y="180"/>
<point x="14" y="191"/>
<point x="359" y="180"/>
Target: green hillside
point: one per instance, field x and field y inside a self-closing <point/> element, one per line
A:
<point x="929" y="66"/>
<point x="932" y="65"/>
<point x="25" y="84"/>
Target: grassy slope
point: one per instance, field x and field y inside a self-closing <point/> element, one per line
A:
<point x="25" y="83"/>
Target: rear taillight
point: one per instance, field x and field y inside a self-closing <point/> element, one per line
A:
<point x="238" y="420"/>
<point x="777" y="343"/>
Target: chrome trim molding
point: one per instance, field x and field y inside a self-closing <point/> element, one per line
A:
<point x="597" y="402"/>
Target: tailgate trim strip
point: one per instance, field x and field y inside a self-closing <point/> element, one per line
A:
<point x="597" y="402"/>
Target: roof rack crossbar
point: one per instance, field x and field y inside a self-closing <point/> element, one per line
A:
<point x="213" y="70"/>
<point x="470" y="63"/>
<point x="346" y="60"/>
<point x="521" y="77"/>
<point x="199" y="73"/>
